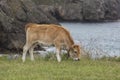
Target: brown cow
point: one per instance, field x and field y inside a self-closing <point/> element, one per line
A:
<point x="48" y="34"/>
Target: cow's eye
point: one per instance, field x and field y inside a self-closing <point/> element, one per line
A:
<point x="75" y="51"/>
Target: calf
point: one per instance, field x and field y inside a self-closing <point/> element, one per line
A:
<point x="49" y="34"/>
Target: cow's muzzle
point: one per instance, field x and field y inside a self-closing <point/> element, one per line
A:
<point x="76" y="59"/>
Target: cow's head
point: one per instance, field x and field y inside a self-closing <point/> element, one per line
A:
<point x="74" y="52"/>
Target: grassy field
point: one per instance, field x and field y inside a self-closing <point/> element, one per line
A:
<point x="50" y="69"/>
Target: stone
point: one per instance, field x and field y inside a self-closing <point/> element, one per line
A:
<point x="14" y="14"/>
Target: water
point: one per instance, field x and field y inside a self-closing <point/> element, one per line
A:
<point x="100" y="39"/>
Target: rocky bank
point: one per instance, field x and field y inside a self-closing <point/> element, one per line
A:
<point x="14" y="14"/>
<point x="83" y="10"/>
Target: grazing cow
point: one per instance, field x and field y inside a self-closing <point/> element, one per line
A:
<point x="49" y="34"/>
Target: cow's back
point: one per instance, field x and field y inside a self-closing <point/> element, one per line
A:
<point x="44" y="32"/>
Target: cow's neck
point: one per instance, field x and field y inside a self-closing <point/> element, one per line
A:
<point x="71" y="42"/>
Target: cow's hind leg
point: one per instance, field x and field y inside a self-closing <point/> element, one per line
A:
<point x="31" y="52"/>
<point x="25" y="49"/>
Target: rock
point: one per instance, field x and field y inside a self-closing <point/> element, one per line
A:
<point x="112" y="9"/>
<point x="84" y="10"/>
<point x="93" y="10"/>
<point x="14" y="14"/>
<point x="99" y="10"/>
<point x="71" y="12"/>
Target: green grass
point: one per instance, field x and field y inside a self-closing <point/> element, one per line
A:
<point x="50" y="69"/>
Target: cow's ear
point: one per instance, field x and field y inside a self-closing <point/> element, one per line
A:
<point x="73" y="46"/>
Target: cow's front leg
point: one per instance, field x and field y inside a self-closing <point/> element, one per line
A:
<point x="58" y="55"/>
